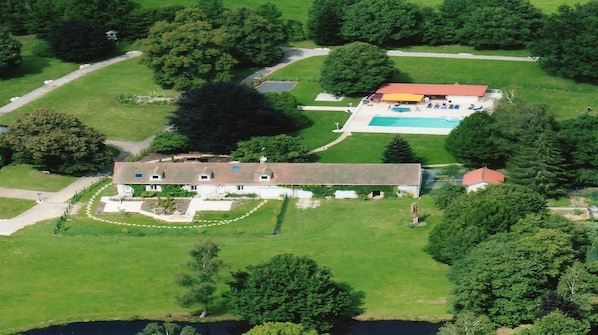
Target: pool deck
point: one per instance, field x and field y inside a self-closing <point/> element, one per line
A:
<point x="364" y="112"/>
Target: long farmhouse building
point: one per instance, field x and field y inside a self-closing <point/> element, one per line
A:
<point x="265" y="180"/>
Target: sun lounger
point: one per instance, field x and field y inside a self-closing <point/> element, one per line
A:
<point x="436" y="106"/>
<point x="479" y="108"/>
<point x="457" y="106"/>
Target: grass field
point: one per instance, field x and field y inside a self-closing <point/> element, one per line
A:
<point x="9" y="208"/>
<point x="369" y="147"/>
<point x="93" y="99"/>
<point x="28" y="178"/>
<point x="368" y="245"/>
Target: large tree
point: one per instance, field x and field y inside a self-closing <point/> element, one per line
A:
<point x="579" y="285"/>
<point x="276" y="149"/>
<point x="497" y="27"/>
<point x="79" y="41"/>
<point x="325" y="19"/>
<point x="254" y="39"/>
<point x="459" y="19"/>
<point x="519" y="123"/>
<point x="539" y="165"/>
<point x="10" y="54"/>
<point x="398" y="150"/>
<point x="557" y="323"/>
<point x="286" y="103"/>
<point x="169" y="142"/>
<point x="216" y="116"/>
<point x="567" y="42"/>
<point x="473" y="217"/>
<point x="141" y="20"/>
<point x="290" y="288"/>
<point x="501" y="279"/>
<point x="471" y="142"/>
<point x="579" y="139"/>
<point x="356" y="68"/>
<point x="382" y="22"/>
<point x="200" y="276"/>
<point x="57" y="142"/>
<point x="187" y="52"/>
<point x="107" y="13"/>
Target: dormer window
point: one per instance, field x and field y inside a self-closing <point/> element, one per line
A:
<point x="206" y="174"/>
<point x="264" y="173"/>
<point x="157" y="174"/>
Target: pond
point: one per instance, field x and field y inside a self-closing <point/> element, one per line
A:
<point x="387" y="327"/>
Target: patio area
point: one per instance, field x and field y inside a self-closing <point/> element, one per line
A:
<point x="437" y="109"/>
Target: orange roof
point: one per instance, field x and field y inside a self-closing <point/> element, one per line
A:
<point x="434" y="89"/>
<point x="483" y="175"/>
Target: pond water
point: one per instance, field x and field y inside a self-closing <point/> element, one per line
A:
<point x="235" y="328"/>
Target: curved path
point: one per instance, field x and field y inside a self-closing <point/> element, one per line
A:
<point x="53" y="204"/>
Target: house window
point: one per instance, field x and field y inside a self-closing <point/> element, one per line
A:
<point x="204" y="177"/>
<point x="193" y="187"/>
<point x="155" y="177"/>
<point x="138" y="175"/>
<point x="153" y="187"/>
<point x="240" y="188"/>
<point x="264" y="177"/>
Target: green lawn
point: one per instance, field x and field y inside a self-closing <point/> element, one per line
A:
<point x="10" y="208"/>
<point x="93" y="99"/>
<point x="320" y="132"/>
<point x="122" y="275"/>
<point x="26" y="177"/>
<point x="369" y="147"/>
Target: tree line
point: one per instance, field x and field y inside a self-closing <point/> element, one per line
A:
<point x="513" y="263"/>
<point x="563" y="41"/>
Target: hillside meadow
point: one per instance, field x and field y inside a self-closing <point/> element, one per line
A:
<point x="128" y="273"/>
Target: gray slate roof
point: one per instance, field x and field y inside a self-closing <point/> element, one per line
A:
<point x="280" y="173"/>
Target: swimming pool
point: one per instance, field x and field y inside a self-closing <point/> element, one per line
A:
<point x="415" y="122"/>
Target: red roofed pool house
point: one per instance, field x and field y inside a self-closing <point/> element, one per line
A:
<point x="480" y="178"/>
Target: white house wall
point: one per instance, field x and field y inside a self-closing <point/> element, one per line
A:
<point x="262" y="191"/>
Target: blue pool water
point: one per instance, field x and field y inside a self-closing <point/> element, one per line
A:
<point x="415" y="122"/>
